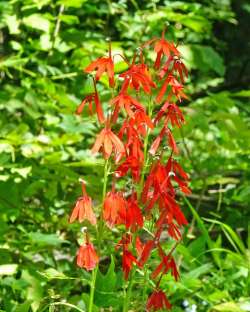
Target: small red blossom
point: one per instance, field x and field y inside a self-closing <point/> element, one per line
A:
<point x="127" y="102"/>
<point x="172" y="144"/>
<point x="177" y="66"/>
<point x="109" y="142"/>
<point x="103" y="65"/>
<point x="138" y="76"/>
<point x="146" y="252"/>
<point x="87" y="257"/>
<point x="158" y="301"/>
<point x="172" y="113"/>
<point x="166" y="264"/>
<point x="114" y="205"/>
<point x="164" y="47"/>
<point x="174" y="87"/>
<point x="83" y="208"/>
<point x="132" y="216"/>
<point x="89" y="99"/>
<point x="131" y="163"/>
<point x="127" y="262"/>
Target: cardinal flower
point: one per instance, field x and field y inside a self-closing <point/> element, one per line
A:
<point x="166" y="264"/>
<point x="83" y="208"/>
<point x="109" y="142"/>
<point x="89" y="100"/>
<point x="158" y="301"/>
<point x="164" y="47"/>
<point x="137" y="76"/>
<point x="174" y="64"/>
<point x="172" y="144"/>
<point x="127" y="262"/>
<point x="131" y="163"/>
<point x="87" y="257"/>
<point x="103" y="65"/>
<point x="127" y="102"/>
<point x="132" y="216"/>
<point x="172" y="113"/>
<point x="175" y="87"/>
<point x="114" y="204"/>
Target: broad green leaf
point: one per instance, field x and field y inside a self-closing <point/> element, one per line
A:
<point x="37" y="21"/>
<point x="8" y="269"/>
<point x="42" y="239"/>
<point x="13" y="24"/>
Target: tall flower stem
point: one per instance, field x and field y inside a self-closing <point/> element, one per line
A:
<point x="146" y="158"/>
<point x="128" y="292"/>
<point x="99" y="237"/>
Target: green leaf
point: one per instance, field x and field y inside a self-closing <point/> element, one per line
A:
<point x="37" y="21"/>
<point x="45" y="239"/>
<point x="13" y="24"/>
<point x="8" y="269"/>
<point x="52" y="273"/>
<point x="72" y="3"/>
<point x="24" y="307"/>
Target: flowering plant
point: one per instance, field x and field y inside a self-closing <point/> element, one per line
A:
<point x="144" y="99"/>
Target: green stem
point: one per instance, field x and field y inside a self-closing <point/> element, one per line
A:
<point x="92" y="289"/>
<point x="99" y="237"/>
<point x="145" y="152"/>
<point x="127" y="295"/>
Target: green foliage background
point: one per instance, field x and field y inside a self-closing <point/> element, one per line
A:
<point x="44" y="148"/>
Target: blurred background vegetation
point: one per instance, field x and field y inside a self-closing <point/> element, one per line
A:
<point x="44" y="148"/>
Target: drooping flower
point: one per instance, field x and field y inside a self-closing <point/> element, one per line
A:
<point x="127" y="262"/>
<point x="114" y="205"/>
<point x="130" y="163"/>
<point x="127" y="102"/>
<point x="103" y="65"/>
<point x="138" y="76"/>
<point x="109" y="142"/>
<point x="175" y="88"/>
<point x="89" y="100"/>
<point x="177" y="66"/>
<point x="165" y="265"/>
<point x="87" y="257"/>
<point x="158" y="301"/>
<point x="146" y="252"/>
<point x="172" y="113"/>
<point x="132" y="216"/>
<point x="164" y="47"/>
<point x="172" y="144"/>
<point x="83" y="208"/>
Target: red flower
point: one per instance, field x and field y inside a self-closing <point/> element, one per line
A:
<point x="142" y="122"/>
<point x="131" y="163"/>
<point x="166" y="264"/>
<point x="89" y="99"/>
<point x="114" y="204"/>
<point x="176" y="88"/>
<point x="132" y="217"/>
<point x="172" y="112"/>
<point x="125" y="101"/>
<point x="146" y="252"/>
<point x="177" y="66"/>
<point x="164" y="47"/>
<point x="87" y="257"/>
<point x="83" y="209"/>
<point x="172" y="144"/>
<point x="103" y="65"/>
<point x="109" y="142"/>
<point x="138" y="76"/>
<point x="127" y="262"/>
<point x="158" y="301"/>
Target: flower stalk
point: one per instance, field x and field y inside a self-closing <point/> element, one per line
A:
<point x="126" y="143"/>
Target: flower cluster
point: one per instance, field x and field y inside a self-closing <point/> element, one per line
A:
<point x="144" y="99"/>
